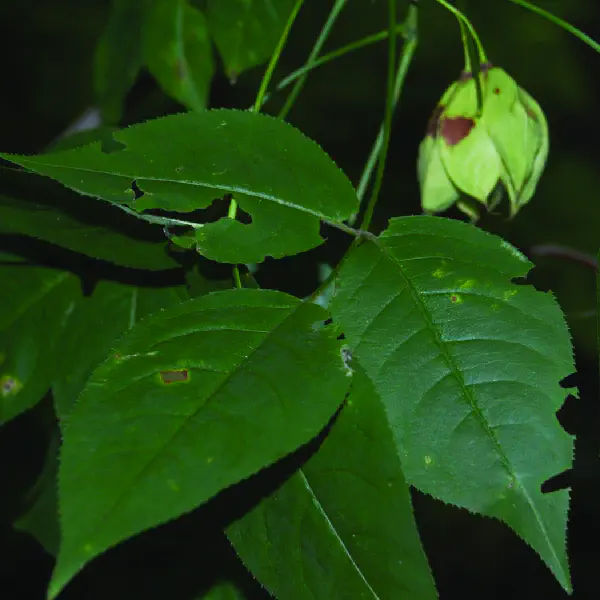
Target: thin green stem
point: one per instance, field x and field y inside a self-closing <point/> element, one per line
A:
<point x="314" y="53"/>
<point x="357" y="45"/>
<point x="237" y="280"/>
<point x="264" y="84"/>
<point x="462" y="18"/>
<point x="379" y="149"/>
<point x="408" y="51"/>
<point x="387" y="122"/>
<point x="262" y="90"/>
<point x="465" y="43"/>
<point x="586" y="39"/>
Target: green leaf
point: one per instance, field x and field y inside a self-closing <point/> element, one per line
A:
<point x="83" y="137"/>
<point x="93" y="328"/>
<point x="342" y="527"/>
<point x="97" y="240"/>
<point x="184" y="162"/>
<point x="41" y="518"/>
<point x="246" y="31"/>
<point x="35" y="302"/>
<point x="468" y="366"/>
<point x="191" y="400"/>
<point x="178" y="52"/>
<point x="118" y="57"/>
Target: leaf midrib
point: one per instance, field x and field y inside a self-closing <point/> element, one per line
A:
<point x="43" y="291"/>
<point x="196" y="183"/>
<point x="333" y="530"/>
<point x="181" y="428"/>
<point x="467" y="393"/>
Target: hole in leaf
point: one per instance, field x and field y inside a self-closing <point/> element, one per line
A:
<point x="174" y="376"/>
<point x="217" y="210"/>
<point x="569" y="414"/>
<point x="557" y="482"/>
<point x="570" y="381"/>
<point x="137" y="193"/>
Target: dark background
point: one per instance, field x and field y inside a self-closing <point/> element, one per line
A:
<point x="47" y="48"/>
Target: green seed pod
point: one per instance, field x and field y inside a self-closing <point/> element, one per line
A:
<point x="471" y="151"/>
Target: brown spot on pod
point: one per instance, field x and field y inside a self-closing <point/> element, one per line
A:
<point x="455" y="129"/>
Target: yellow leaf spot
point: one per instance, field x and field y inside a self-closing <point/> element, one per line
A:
<point x="88" y="548"/>
<point x="9" y="386"/>
<point x="173" y="485"/>
<point x="439" y="273"/>
<point x="509" y="294"/>
<point x="209" y="460"/>
<point x="428" y="460"/>
<point x="456" y="299"/>
<point x="467" y="284"/>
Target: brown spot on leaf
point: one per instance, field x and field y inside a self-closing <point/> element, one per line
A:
<point x="455" y="129"/>
<point x="497" y="91"/>
<point x="174" y="376"/>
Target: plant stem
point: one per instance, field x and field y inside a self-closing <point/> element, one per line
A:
<point x="262" y="90"/>
<point x="557" y="251"/>
<point x="465" y="43"/>
<point x="357" y="45"/>
<point x="462" y="18"/>
<point x="314" y="53"/>
<point x="586" y="39"/>
<point x="394" y="86"/>
<point x="237" y="280"/>
<point x="408" y="50"/>
<point x="387" y="122"/>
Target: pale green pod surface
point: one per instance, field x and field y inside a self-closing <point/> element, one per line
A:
<point x="437" y="191"/>
<point x="513" y="132"/>
<point x="538" y="120"/>
<point x="472" y="152"/>
<point x="472" y="163"/>
<point x="468" y="155"/>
